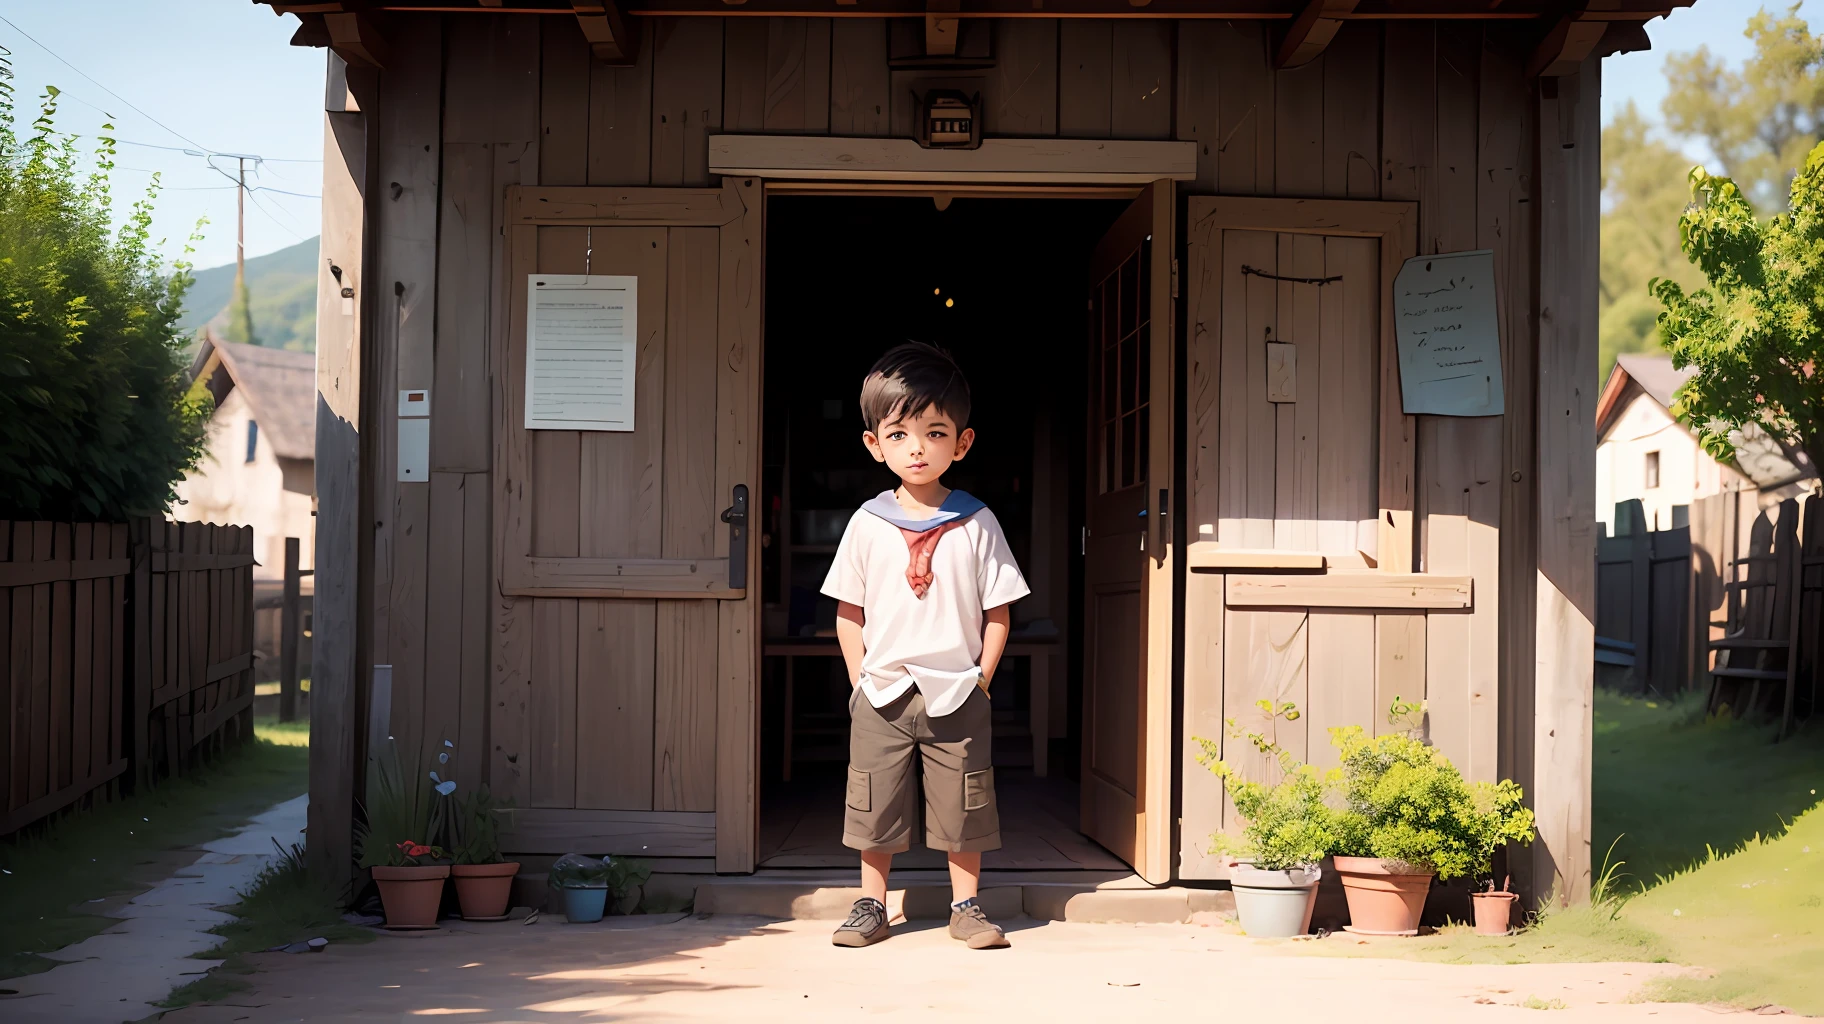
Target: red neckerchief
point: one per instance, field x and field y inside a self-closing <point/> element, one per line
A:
<point x="920" y="544"/>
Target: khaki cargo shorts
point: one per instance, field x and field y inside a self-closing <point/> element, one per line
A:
<point x="960" y="812"/>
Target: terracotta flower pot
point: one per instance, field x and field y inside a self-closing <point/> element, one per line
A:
<point x="411" y="894"/>
<point x="484" y="890"/>
<point x="1385" y="898"/>
<point x="1494" y="911"/>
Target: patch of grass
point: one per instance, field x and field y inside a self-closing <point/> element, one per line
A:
<point x="58" y="875"/>
<point x="1755" y="918"/>
<point x="283" y="905"/>
<point x="1536" y="1003"/>
<point x="1572" y="935"/>
<point x="1673" y="785"/>
<point x="285" y="734"/>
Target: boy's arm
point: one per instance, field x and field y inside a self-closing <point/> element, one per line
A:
<point x="849" y="619"/>
<point x="994" y="640"/>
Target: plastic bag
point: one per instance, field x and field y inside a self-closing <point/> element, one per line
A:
<point x="578" y="871"/>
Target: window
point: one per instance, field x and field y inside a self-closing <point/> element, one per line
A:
<point x="1652" y="469"/>
<point x="253" y="439"/>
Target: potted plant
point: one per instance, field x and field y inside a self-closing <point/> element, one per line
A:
<point x="1494" y="908"/>
<point x="484" y="882"/>
<point x="401" y="814"/>
<point x="583" y="883"/>
<point x="1412" y="817"/>
<point x="626" y="882"/>
<point x="1290" y="827"/>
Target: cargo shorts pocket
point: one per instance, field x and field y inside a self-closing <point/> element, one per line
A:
<point x="860" y="794"/>
<point x="978" y="789"/>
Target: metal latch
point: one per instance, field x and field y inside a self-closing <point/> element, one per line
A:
<point x="736" y="517"/>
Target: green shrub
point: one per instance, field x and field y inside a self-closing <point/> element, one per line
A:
<point x="1408" y="803"/>
<point x="100" y="421"/>
<point x="1288" y="822"/>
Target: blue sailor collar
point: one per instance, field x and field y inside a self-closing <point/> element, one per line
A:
<point x="959" y="505"/>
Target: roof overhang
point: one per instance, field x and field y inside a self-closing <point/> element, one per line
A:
<point x="1568" y="31"/>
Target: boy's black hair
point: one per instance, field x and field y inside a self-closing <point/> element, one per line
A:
<point x="911" y="378"/>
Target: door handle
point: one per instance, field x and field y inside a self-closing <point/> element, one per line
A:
<point x="736" y="517"/>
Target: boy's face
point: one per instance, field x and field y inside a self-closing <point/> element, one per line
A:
<point x="919" y="449"/>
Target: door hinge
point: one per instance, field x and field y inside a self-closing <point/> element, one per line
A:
<point x="735" y="516"/>
<point x="1174" y="277"/>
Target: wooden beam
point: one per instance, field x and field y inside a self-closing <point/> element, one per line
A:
<point x="1266" y="10"/>
<point x="613" y="38"/>
<point x="1026" y="161"/>
<point x="1208" y="555"/>
<point x="1572" y="38"/>
<point x="941" y="26"/>
<point x="1311" y="31"/>
<point x="1405" y="591"/>
<point x="356" y="38"/>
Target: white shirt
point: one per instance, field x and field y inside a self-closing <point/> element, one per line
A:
<point x="934" y="643"/>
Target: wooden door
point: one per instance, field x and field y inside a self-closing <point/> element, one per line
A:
<point x="1299" y="461"/>
<point x="1127" y="543"/>
<point x="627" y="633"/>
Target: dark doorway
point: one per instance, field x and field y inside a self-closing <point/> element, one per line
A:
<point x="1001" y="284"/>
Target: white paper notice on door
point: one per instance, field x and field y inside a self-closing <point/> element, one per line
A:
<point x="1449" y="335"/>
<point x="581" y="343"/>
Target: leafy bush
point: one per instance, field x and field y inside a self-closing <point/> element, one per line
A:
<point x="1408" y="803"/>
<point x="100" y="422"/>
<point x="1288" y="823"/>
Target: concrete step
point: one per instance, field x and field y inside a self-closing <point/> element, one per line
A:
<point x="926" y="900"/>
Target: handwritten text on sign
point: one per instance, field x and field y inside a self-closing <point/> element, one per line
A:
<point x="1449" y="334"/>
<point x="581" y="343"/>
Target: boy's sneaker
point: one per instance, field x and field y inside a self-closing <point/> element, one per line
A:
<point x="970" y="923"/>
<point x="867" y="924"/>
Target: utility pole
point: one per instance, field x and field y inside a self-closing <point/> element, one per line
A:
<point x="240" y="228"/>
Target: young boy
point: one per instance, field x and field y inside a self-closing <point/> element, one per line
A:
<point x="924" y="579"/>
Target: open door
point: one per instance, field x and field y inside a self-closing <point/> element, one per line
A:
<point x="1127" y="548"/>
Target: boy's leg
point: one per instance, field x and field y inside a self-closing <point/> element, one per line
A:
<point x="874" y="867"/>
<point x="960" y="813"/>
<point x="965" y="876"/>
<point x="876" y="822"/>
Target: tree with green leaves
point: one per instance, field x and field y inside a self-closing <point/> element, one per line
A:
<point x="1644" y="192"/>
<point x="100" y="421"/>
<point x="1755" y="334"/>
<point x="1760" y="121"/>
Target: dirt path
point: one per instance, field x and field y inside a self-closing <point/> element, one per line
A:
<point x="742" y="969"/>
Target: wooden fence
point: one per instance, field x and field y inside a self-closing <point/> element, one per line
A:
<point x="128" y="646"/>
<point x="1647" y="614"/>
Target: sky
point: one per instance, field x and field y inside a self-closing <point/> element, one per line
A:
<point x="218" y="76"/>
<point x="1717" y="24"/>
<point x="204" y="75"/>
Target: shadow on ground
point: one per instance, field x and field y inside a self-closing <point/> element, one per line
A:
<point x="1671" y="784"/>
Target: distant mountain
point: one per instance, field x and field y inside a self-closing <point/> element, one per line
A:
<point x="282" y="291"/>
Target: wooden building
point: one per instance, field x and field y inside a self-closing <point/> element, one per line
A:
<point x="619" y="629"/>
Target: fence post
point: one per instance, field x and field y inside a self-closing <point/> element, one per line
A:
<point x="139" y="675"/>
<point x="289" y="624"/>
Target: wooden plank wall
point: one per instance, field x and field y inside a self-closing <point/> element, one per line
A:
<point x="1433" y="112"/>
<point x="1406" y="110"/>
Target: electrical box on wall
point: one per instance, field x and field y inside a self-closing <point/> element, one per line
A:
<point x="415" y="435"/>
<point x="949" y="119"/>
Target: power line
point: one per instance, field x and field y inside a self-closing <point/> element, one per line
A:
<point x="98" y="85"/>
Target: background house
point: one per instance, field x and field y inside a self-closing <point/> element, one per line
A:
<point x="258" y="468"/>
<point x="1644" y="453"/>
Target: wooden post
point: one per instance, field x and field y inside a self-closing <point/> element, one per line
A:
<point x="138" y="691"/>
<point x="1565" y="630"/>
<point x="344" y="295"/>
<point x="289" y="624"/>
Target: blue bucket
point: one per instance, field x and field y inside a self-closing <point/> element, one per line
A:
<point x="585" y="905"/>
